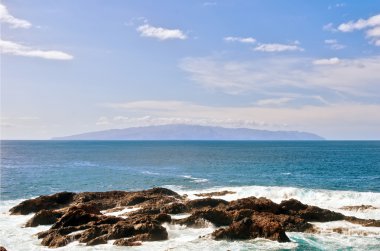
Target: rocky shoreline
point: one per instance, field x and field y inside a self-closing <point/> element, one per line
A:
<point x="87" y="217"/>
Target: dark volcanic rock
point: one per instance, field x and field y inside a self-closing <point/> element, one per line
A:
<point x="78" y="217"/>
<point x="248" y="228"/>
<point x="205" y="203"/>
<point x="54" y="201"/>
<point x="253" y="203"/>
<point x="215" y="216"/>
<point x="211" y="194"/>
<point x="44" y="217"/>
<point x="175" y="208"/>
<point x="363" y="222"/>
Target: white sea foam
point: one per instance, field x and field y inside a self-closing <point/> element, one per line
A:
<point x="150" y="173"/>
<point x="329" y="199"/>
<point x="195" y="180"/>
<point x="354" y="237"/>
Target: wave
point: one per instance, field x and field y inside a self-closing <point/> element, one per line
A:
<point x="335" y="200"/>
<point x="195" y="180"/>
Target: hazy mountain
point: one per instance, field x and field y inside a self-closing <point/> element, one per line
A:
<point x="191" y="132"/>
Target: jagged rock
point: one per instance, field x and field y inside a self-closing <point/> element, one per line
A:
<point x="205" y="203"/>
<point x="358" y="208"/>
<point x="363" y="222"/>
<point x="44" y="217"/>
<point x="250" y="229"/>
<point x="126" y="242"/>
<point x="215" y="216"/>
<point x="256" y="204"/>
<point x="309" y="213"/>
<point x="163" y="218"/>
<point x="77" y="217"/>
<point x="175" y="208"/>
<point x="211" y="194"/>
<point x="46" y="202"/>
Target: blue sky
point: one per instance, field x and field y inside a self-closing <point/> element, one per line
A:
<point x="75" y="66"/>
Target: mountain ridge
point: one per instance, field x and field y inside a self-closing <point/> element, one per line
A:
<point x="190" y="132"/>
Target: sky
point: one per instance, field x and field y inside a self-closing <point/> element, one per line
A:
<point x="69" y="67"/>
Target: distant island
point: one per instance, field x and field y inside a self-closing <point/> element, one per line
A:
<point x="190" y="132"/>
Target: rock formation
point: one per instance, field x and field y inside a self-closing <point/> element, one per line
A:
<point x="85" y="217"/>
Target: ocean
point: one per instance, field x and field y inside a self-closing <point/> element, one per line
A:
<point x="328" y="174"/>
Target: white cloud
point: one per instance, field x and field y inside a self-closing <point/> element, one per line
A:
<point x="247" y="40"/>
<point x="350" y="76"/>
<point x="329" y="27"/>
<point x="9" y="47"/>
<point x="372" y="25"/>
<point x="374" y="32"/>
<point x="328" y="61"/>
<point x="273" y="101"/>
<point x="328" y="120"/>
<point x="360" y="24"/>
<point x="5" y="17"/>
<point x="277" y="47"/>
<point x="160" y="33"/>
<point x="334" y="44"/>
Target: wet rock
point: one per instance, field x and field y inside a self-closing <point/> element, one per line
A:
<point x="126" y="242"/>
<point x="216" y="217"/>
<point x="309" y="213"/>
<point x="358" y="208"/>
<point x="44" y="217"/>
<point x="250" y="229"/>
<point x="163" y="218"/>
<point x="363" y="222"/>
<point x="211" y="194"/>
<point x="55" y="201"/>
<point x="256" y="204"/>
<point x="205" y="203"/>
<point x="77" y="217"/>
<point x="97" y="241"/>
<point x="175" y="208"/>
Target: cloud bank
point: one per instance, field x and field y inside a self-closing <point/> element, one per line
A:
<point x="268" y="75"/>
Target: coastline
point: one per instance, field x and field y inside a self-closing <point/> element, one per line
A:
<point x="353" y="236"/>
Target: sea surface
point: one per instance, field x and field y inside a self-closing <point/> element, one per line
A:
<point x="329" y="174"/>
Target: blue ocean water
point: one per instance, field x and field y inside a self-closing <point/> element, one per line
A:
<point x="31" y="168"/>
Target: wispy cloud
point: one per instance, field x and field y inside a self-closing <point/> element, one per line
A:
<point x="12" y="48"/>
<point x="273" y="101"/>
<point x="334" y="44"/>
<point x="246" y="40"/>
<point x="209" y="3"/>
<point x="329" y="27"/>
<point x="350" y="76"/>
<point x="371" y="25"/>
<point x="147" y="30"/>
<point x="338" y="5"/>
<point x="278" y="47"/>
<point x="6" y="17"/>
<point x="327" y="61"/>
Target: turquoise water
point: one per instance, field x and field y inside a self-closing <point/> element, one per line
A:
<point x="329" y="174"/>
<point x="31" y="168"/>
